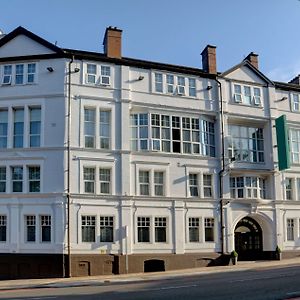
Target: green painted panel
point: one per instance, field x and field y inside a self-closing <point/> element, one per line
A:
<point x="282" y="143"/>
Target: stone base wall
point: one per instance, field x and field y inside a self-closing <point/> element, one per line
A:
<point x="16" y="266"/>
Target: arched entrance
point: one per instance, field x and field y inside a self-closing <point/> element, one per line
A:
<point x="248" y="239"/>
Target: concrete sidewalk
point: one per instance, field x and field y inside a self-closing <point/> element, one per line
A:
<point x="106" y="279"/>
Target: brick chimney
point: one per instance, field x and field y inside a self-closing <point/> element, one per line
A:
<point x="296" y="80"/>
<point x="209" y="63"/>
<point x="112" y="42"/>
<point x="253" y="59"/>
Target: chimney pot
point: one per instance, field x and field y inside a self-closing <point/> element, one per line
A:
<point x="112" y="42"/>
<point x="253" y="59"/>
<point x="209" y="63"/>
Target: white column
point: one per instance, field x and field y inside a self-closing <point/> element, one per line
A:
<point x="178" y="227"/>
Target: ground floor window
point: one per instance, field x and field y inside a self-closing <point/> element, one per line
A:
<point x="209" y="229"/>
<point x="106" y="229"/>
<point x="3" y="229"/>
<point x="88" y="228"/>
<point x="160" y="229"/>
<point x="143" y="226"/>
<point x="45" y="228"/>
<point x="194" y="230"/>
<point x="290" y="229"/>
<point x="30" y="222"/>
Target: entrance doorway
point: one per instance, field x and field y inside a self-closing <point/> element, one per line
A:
<point x="248" y="239"/>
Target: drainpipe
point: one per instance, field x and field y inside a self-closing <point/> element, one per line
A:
<point x="68" y="168"/>
<point x="221" y="172"/>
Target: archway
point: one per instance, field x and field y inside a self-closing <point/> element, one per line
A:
<point x="248" y="239"/>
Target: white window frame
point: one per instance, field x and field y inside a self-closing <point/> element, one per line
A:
<point x="3" y="223"/>
<point x="209" y="222"/>
<point x="107" y="222"/>
<point x="30" y="221"/>
<point x="195" y="185"/>
<point x="89" y="179"/>
<point x="3" y="178"/>
<point x="88" y="221"/>
<point x="241" y="93"/>
<point x="8" y="75"/>
<point x="143" y="222"/>
<point x="181" y="86"/>
<point x="194" y="223"/>
<point x="290" y="229"/>
<point x="105" y="75"/>
<point x="295" y="102"/>
<point x="45" y="221"/>
<point x="160" y="222"/>
<point x="103" y="180"/>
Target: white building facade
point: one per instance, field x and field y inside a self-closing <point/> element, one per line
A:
<point x="110" y="164"/>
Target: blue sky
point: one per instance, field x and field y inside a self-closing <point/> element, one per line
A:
<point x="171" y="31"/>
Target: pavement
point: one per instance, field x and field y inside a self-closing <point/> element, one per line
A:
<point x="111" y="279"/>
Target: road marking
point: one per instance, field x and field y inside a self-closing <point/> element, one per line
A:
<point x="293" y="293"/>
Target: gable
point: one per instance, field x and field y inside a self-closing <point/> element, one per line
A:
<point x="22" y="45"/>
<point x="243" y="73"/>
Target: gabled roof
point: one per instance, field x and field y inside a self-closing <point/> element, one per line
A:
<point x="246" y="63"/>
<point x="22" y="31"/>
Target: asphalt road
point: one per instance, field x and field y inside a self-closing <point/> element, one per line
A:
<point x="273" y="284"/>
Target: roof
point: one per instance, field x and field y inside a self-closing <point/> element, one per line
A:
<point x="21" y="30"/>
<point x="247" y="63"/>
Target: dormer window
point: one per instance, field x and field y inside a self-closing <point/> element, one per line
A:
<point x="247" y="95"/>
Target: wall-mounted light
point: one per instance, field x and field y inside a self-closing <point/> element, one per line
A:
<point x="209" y="87"/>
<point x="141" y="77"/>
<point x="50" y="69"/>
<point x="283" y="98"/>
<point x="76" y="70"/>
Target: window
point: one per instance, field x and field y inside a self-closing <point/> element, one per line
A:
<point x="45" y="222"/>
<point x="18" y="127"/>
<point x="139" y="132"/>
<point x="158" y="183"/>
<point x="91" y="73"/>
<point x="35" y="127"/>
<point x="88" y="229"/>
<point x="247" y="187"/>
<point x="30" y="224"/>
<point x="104" y="176"/>
<point x="104" y="129"/>
<point x="17" y="179"/>
<point x="173" y="134"/>
<point x="193" y="183"/>
<point x="89" y="127"/>
<point x="31" y="71"/>
<point x="294" y="136"/>
<point x="107" y="229"/>
<point x="105" y="75"/>
<point x="160" y="229"/>
<point x="246" y="143"/>
<point x="3" y="228"/>
<point x="180" y="85"/>
<point x="34" y="179"/>
<point x="7" y="74"/>
<point x="170" y="84"/>
<point x="158" y="82"/>
<point x="143" y="227"/>
<point x="290" y="229"/>
<point x="19" y="74"/>
<point x="3" y="128"/>
<point x="295" y="102"/>
<point x="194" y="230"/>
<point x="89" y="180"/>
<point x="192" y="87"/>
<point x="2" y="179"/>
<point x="256" y="97"/>
<point x="208" y="138"/>
<point x="247" y="95"/>
<point x="207" y="185"/>
<point x="209" y="229"/>
<point x="237" y="93"/>
<point x="288" y="189"/>
<point x="144" y="183"/>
